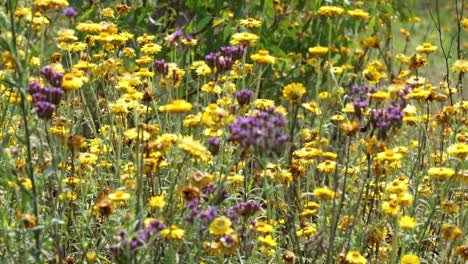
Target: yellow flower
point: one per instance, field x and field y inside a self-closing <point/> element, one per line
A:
<point x="440" y="173"/>
<point x="71" y="82"/>
<point x="119" y="196"/>
<point x="459" y="150"/>
<point x="294" y="91"/>
<point x="86" y="158"/>
<point x="250" y="23"/>
<point x="417" y="61"/>
<point x="194" y="148"/>
<point x="407" y="222"/>
<point x="359" y="14"/>
<point x="390" y="207"/>
<point x="50" y="4"/>
<point x="173" y="232"/>
<point x="460" y="66"/>
<point x="409" y="259"/>
<point x="150" y="48"/>
<point x="263" y="227"/>
<point x="312" y="107"/>
<point x="328" y="166"/>
<point x="268" y="241"/>
<point x="317" y="51"/>
<point x="389" y="155"/>
<point x="450" y="232"/>
<point x="107" y="12"/>
<point x="157" y="202"/>
<point x="449" y="207"/>
<point x="177" y="106"/>
<point x="263" y="57"/>
<point x="263" y="104"/>
<point x="323" y="194"/>
<point x="354" y="257"/>
<point x="220" y="226"/>
<point x="244" y="38"/>
<point x="330" y="11"/>
<point x="380" y="96"/>
<point x="426" y="48"/>
<point x="307" y="231"/>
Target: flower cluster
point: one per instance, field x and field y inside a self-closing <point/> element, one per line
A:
<point x="261" y="131"/>
<point x="45" y="99"/>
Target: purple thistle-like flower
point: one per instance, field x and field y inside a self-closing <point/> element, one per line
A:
<point x="70" y="12"/>
<point x="44" y="109"/>
<point x="53" y="94"/>
<point x="233" y="52"/>
<point x="214" y="144"/>
<point x="262" y="131"/>
<point x="244" y="96"/>
<point x="160" y="66"/>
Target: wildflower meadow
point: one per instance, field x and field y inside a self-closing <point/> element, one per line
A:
<point x="233" y="131"/>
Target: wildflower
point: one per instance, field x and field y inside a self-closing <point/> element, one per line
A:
<point x="50" y="4"/>
<point x="263" y="227"/>
<point x="108" y="12"/>
<point x="70" y="12"/>
<point x="462" y="251"/>
<point x="426" y="48"/>
<point x="460" y="66"/>
<point x="359" y="14"/>
<point x="409" y="259"/>
<point x="312" y="107"/>
<point x="245" y="39"/>
<point x="86" y="158"/>
<point x="294" y="91"/>
<point x="268" y="241"/>
<point x="440" y="173"/>
<point x="263" y="57"/>
<point x="354" y="257"/>
<point x="177" y="106"/>
<point x="328" y="166"/>
<point x="157" y="202"/>
<point x="71" y="82"/>
<point x="119" y="196"/>
<point x="250" y="23"/>
<point x="330" y="11"/>
<point x="407" y="222"/>
<point x="450" y="232"/>
<point x="173" y="232"/>
<point x="449" y="207"/>
<point x="417" y="61"/>
<point x="390" y="207"/>
<point x="194" y="148"/>
<point x="317" y="51"/>
<point x="323" y="194"/>
<point x="244" y="96"/>
<point x="150" y="49"/>
<point x="220" y="226"/>
<point x="262" y="130"/>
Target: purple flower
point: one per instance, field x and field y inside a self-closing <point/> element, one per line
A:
<point x="70" y="12"/>
<point x="44" y="109"/>
<point x="244" y="96"/>
<point x="160" y="66"/>
<point x="214" y="144"/>
<point x="262" y="131"/>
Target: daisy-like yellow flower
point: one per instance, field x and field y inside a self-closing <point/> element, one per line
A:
<point x="409" y="259"/>
<point x="328" y="166"/>
<point x="426" y="48"/>
<point x="250" y="23"/>
<point x="359" y="14"/>
<point x="449" y="207"/>
<point x="194" y="148"/>
<point x="119" y="196"/>
<point x="450" y="232"/>
<point x="460" y="66"/>
<point x="244" y="38"/>
<point x="308" y="231"/>
<point x="177" y="106"/>
<point x="390" y="207"/>
<point x="312" y="107"/>
<point x="354" y="257"/>
<point x="407" y="222"/>
<point x="263" y="227"/>
<point x="50" y="4"/>
<point x="86" y="158"/>
<point x="441" y="173"/>
<point x="173" y="232"/>
<point x="71" y="82"/>
<point x="330" y="11"/>
<point x="459" y="150"/>
<point x="417" y="61"/>
<point x="268" y="241"/>
<point x="324" y="194"/>
<point x="150" y="48"/>
<point x="220" y="226"/>
<point x="157" y="202"/>
<point x="263" y="57"/>
<point x="317" y="51"/>
<point x="293" y="91"/>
